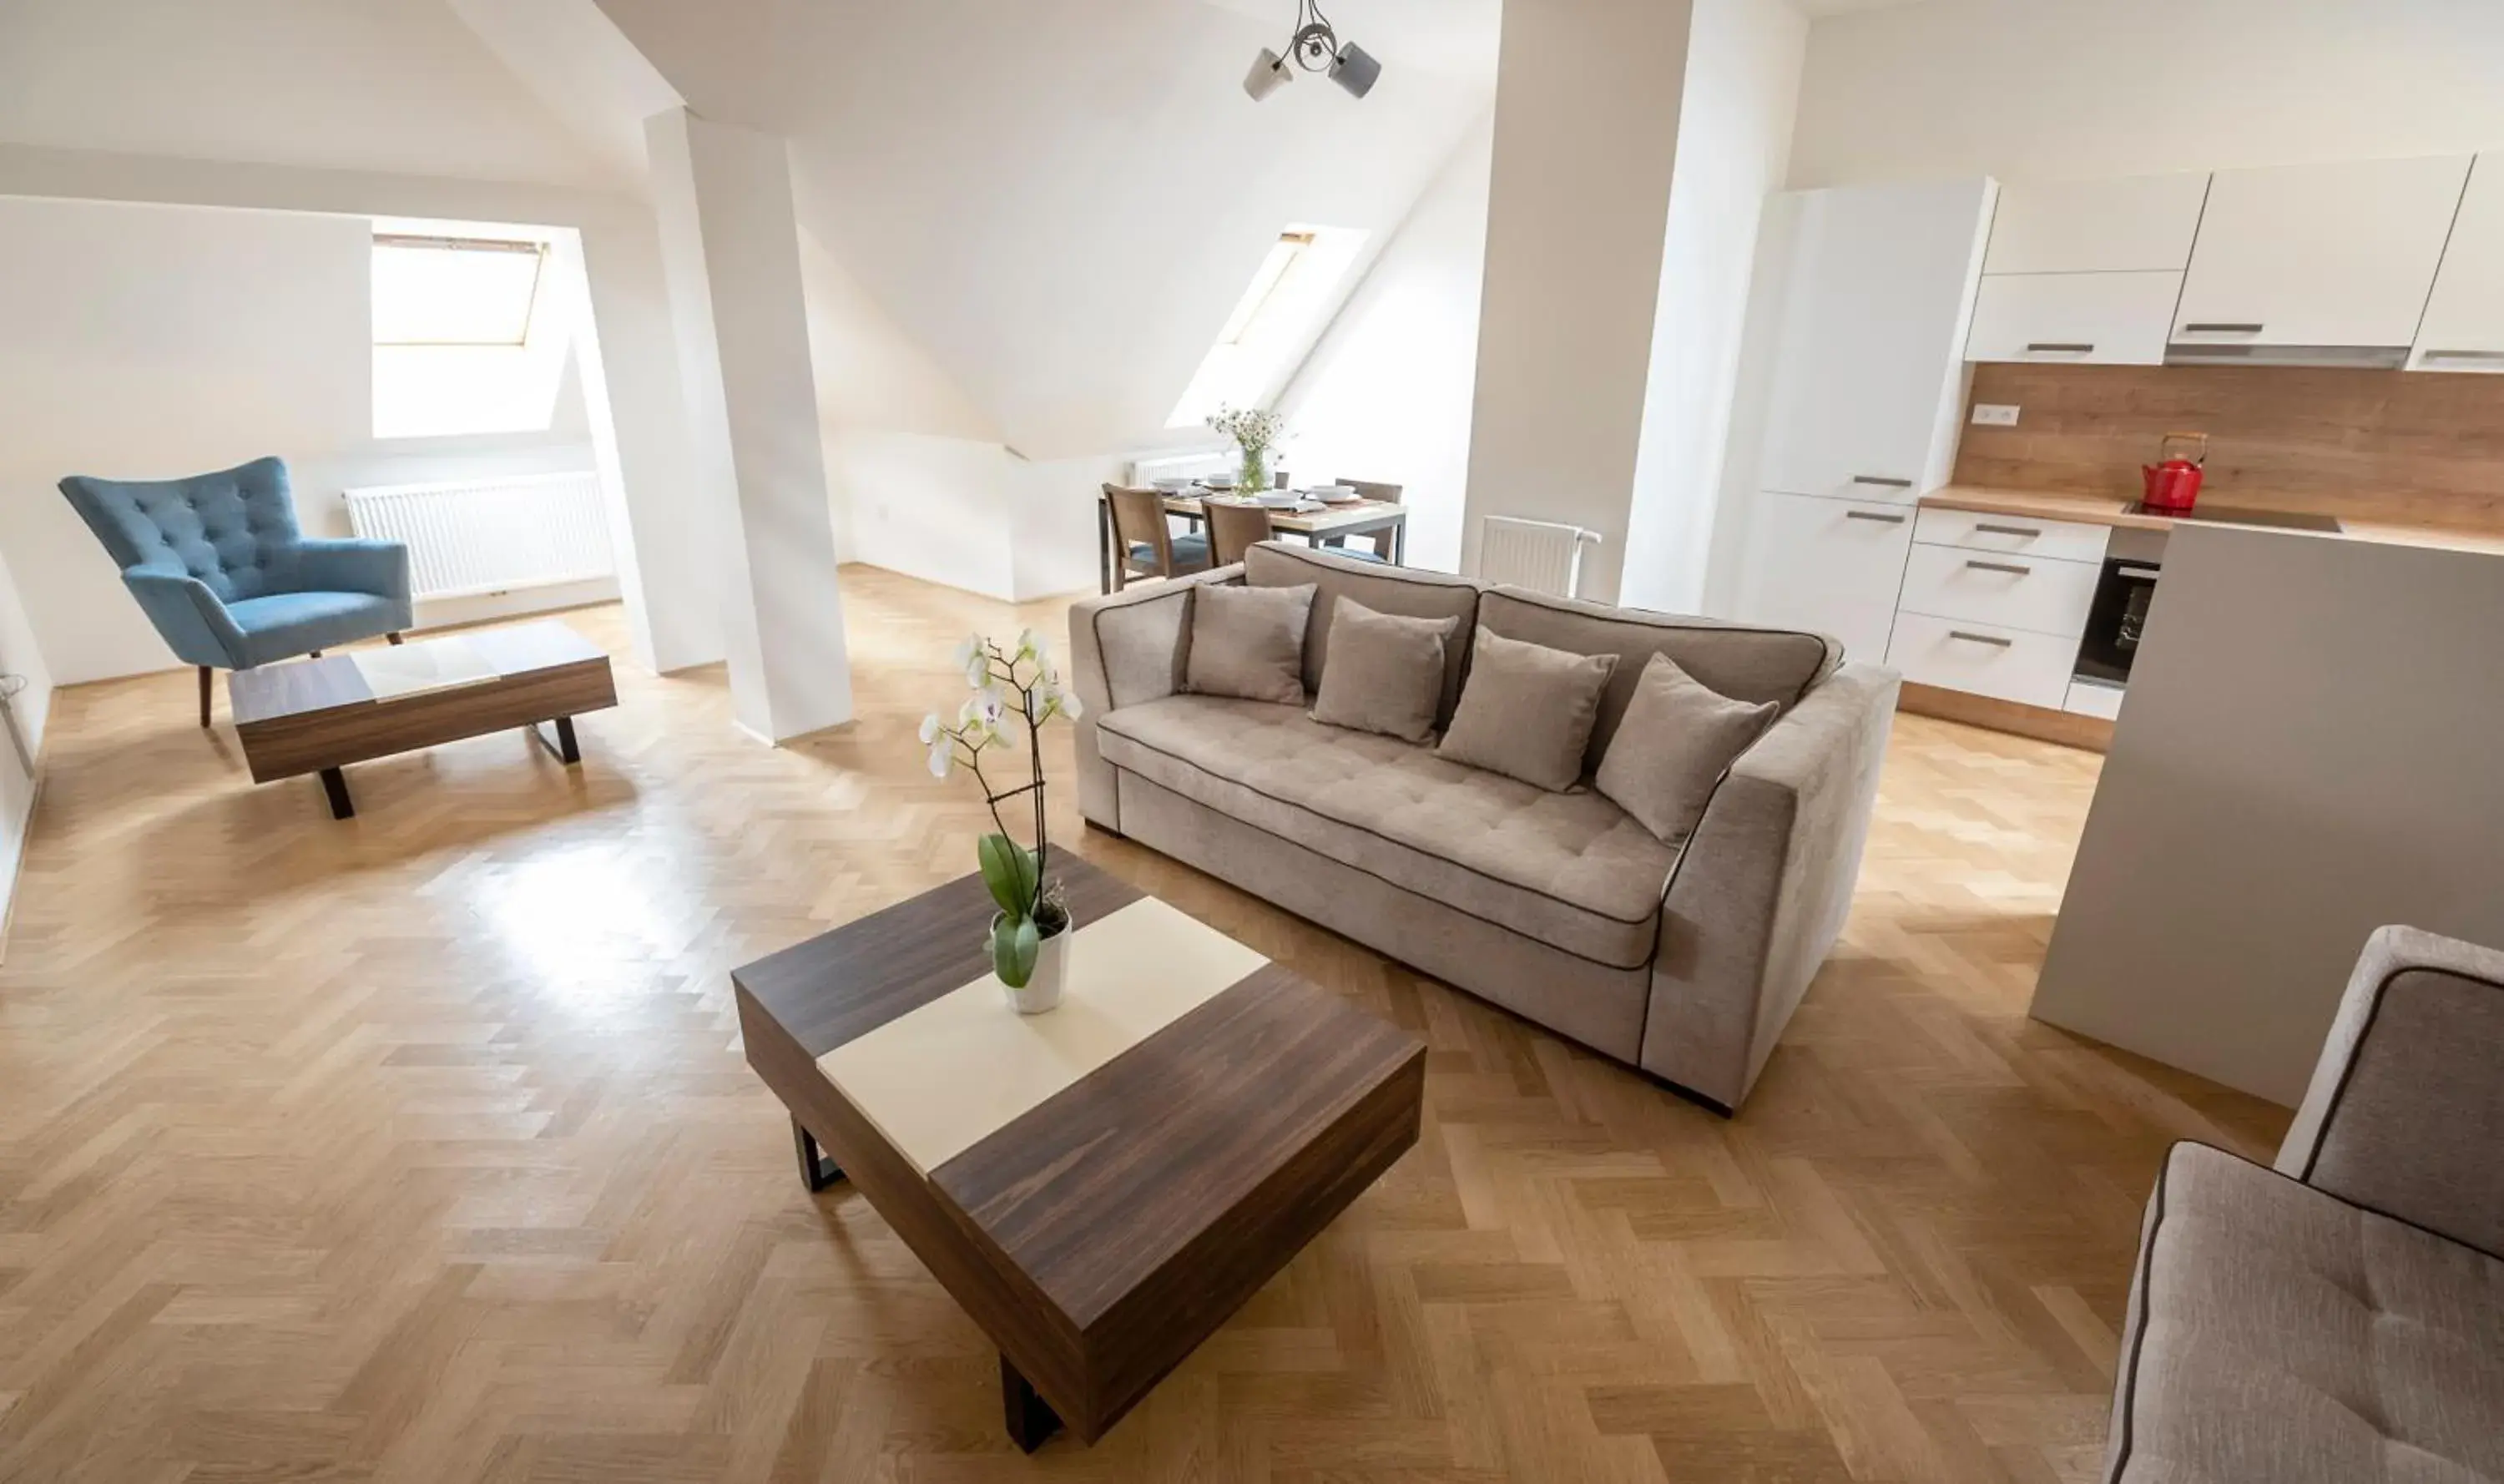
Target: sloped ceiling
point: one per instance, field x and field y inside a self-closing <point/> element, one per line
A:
<point x="395" y="86"/>
<point x="1059" y="200"/>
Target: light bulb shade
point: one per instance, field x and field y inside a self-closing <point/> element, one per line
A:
<point x="1270" y="72"/>
<point x="1356" y="70"/>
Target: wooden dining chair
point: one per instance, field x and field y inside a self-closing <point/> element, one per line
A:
<point x="1389" y="495"/>
<point x="1235" y="529"/>
<point x="1149" y="546"/>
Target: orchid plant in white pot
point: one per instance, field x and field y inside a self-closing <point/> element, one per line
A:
<point x="1013" y="690"/>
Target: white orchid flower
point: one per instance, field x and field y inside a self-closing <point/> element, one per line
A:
<point x="1067" y="702"/>
<point x="930" y="729"/>
<point x="943" y="758"/>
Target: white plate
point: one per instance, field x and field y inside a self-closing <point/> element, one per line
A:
<point x="1335" y="495"/>
<point x="1282" y="499"/>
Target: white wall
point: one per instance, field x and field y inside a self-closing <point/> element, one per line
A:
<point x="2122" y="87"/>
<point x="375" y="84"/>
<point x="155" y="341"/>
<point x="1385" y="395"/>
<point x="1734" y="131"/>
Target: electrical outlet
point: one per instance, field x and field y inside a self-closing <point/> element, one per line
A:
<point x="1994" y="414"/>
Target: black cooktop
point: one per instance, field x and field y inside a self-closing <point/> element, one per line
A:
<point x="2231" y="515"/>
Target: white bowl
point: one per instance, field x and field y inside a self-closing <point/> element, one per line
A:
<point x="1281" y="500"/>
<point x="1337" y="493"/>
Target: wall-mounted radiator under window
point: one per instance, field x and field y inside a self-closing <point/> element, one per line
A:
<point x="490" y="535"/>
<point x="1539" y="555"/>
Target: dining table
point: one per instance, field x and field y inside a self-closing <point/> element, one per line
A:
<point x="1317" y="521"/>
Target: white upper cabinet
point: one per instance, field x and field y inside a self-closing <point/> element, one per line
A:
<point x="1868" y="379"/>
<point x="2091" y="319"/>
<point x="2464" y="319"/>
<point x="2338" y="254"/>
<point x="2138" y="224"/>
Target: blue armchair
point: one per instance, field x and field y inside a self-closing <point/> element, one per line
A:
<point x="221" y="568"/>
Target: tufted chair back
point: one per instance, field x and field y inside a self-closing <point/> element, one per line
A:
<point x="234" y="529"/>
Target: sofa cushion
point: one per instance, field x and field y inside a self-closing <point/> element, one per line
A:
<point x="2279" y="1334"/>
<point x="1742" y="663"/>
<point x="1678" y="736"/>
<point x="1573" y="870"/>
<point x="1526" y="710"/>
<point x="1405" y="591"/>
<point x="1248" y="642"/>
<point x="1386" y="675"/>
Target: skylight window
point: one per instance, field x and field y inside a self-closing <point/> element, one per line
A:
<point x="1273" y="323"/>
<point x="454" y="291"/>
<point x="466" y="340"/>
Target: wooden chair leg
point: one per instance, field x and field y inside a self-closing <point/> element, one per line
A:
<point x="206" y="681"/>
<point x="394" y="636"/>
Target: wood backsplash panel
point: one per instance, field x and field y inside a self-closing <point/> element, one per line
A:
<point x="2403" y="447"/>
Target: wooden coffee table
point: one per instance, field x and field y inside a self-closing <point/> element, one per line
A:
<point x="319" y="715"/>
<point x="1102" y="1186"/>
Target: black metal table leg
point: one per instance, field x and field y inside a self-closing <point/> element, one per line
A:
<point x="1031" y="1419"/>
<point x="566" y="749"/>
<point x="1103" y="545"/>
<point x="817" y="1171"/>
<point x="335" y="785"/>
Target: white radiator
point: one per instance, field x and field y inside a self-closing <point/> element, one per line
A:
<point x="1539" y="555"/>
<point x="490" y="535"/>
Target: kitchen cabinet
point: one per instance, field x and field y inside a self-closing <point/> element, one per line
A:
<point x="2329" y="256"/>
<point x="2464" y="317"/>
<point x="2084" y="318"/>
<point x="2136" y="224"/>
<point x="2038" y="594"/>
<point x="1984" y="659"/>
<point x="1828" y="566"/>
<point x="1867" y="370"/>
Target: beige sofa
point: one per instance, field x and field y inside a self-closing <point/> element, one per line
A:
<point x="2338" y="1317"/>
<point x="1683" y="960"/>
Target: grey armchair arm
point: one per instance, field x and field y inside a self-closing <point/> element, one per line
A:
<point x="2406" y="1110"/>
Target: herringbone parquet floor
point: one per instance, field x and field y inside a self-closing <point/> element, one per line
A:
<point x="420" y="1149"/>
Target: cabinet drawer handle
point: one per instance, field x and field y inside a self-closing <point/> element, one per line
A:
<point x="1992" y="640"/>
<point x="1882" y="480"/>
<point x="2001" y="566"/>
<point x="2462" y="356"/>
<point x="1872" y="515"/>
<point x="2077" y="347"/>
<point x="2030" y="532"/>
<point x="2219" y="328"/>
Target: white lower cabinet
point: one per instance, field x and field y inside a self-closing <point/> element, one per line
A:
<point x="1985" y="659"/>
<point x="2033" y="593"/>
<point x="1830" y="566"/>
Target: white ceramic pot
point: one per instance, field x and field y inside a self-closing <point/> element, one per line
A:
<point x="1042" y="989"/>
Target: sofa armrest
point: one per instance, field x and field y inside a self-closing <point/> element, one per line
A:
<point x="1126" y="648"/>
<point x="354" y="566"/>
<point x="2406" y="1109"/>
<point x="194" y="624"/>
<point x="1759" y="896"/>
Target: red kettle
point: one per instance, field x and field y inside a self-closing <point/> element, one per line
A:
<point x="2173" y="481"/>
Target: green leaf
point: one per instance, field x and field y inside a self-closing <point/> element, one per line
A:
<point x="1009" y="872"/>
<point x="1015" y="943"/>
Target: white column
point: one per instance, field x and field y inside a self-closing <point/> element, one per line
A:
<point x="731" y="249"/>
<point x="639" y="440"/>
<point x="1587" y="116"/>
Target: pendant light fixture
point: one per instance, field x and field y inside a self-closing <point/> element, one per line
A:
<point x="1315" y="47"/>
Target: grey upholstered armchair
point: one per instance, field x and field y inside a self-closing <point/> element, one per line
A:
<point x="221" y="568"/>
<point x="2339" y="1317"/>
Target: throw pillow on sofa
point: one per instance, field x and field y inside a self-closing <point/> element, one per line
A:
<point x="1248" y="642"/>
<point x="1386" y="673"/>
<point x="1678" y="737"/>
<point x="1527" y="711"/>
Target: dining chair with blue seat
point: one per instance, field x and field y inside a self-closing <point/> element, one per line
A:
<point x="221" y="568"/>
<point x="1147" y="545"/>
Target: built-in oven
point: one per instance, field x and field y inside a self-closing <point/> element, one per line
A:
<point x="2116" y="620"/>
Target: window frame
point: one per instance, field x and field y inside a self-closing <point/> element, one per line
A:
<point x="537" y="249"/>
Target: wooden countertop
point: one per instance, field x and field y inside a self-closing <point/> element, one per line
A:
<point x="2105" y="510"/>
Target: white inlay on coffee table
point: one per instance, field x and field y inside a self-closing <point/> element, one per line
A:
<point x="428" y="665"/>
<point x="939" y="1080"/>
